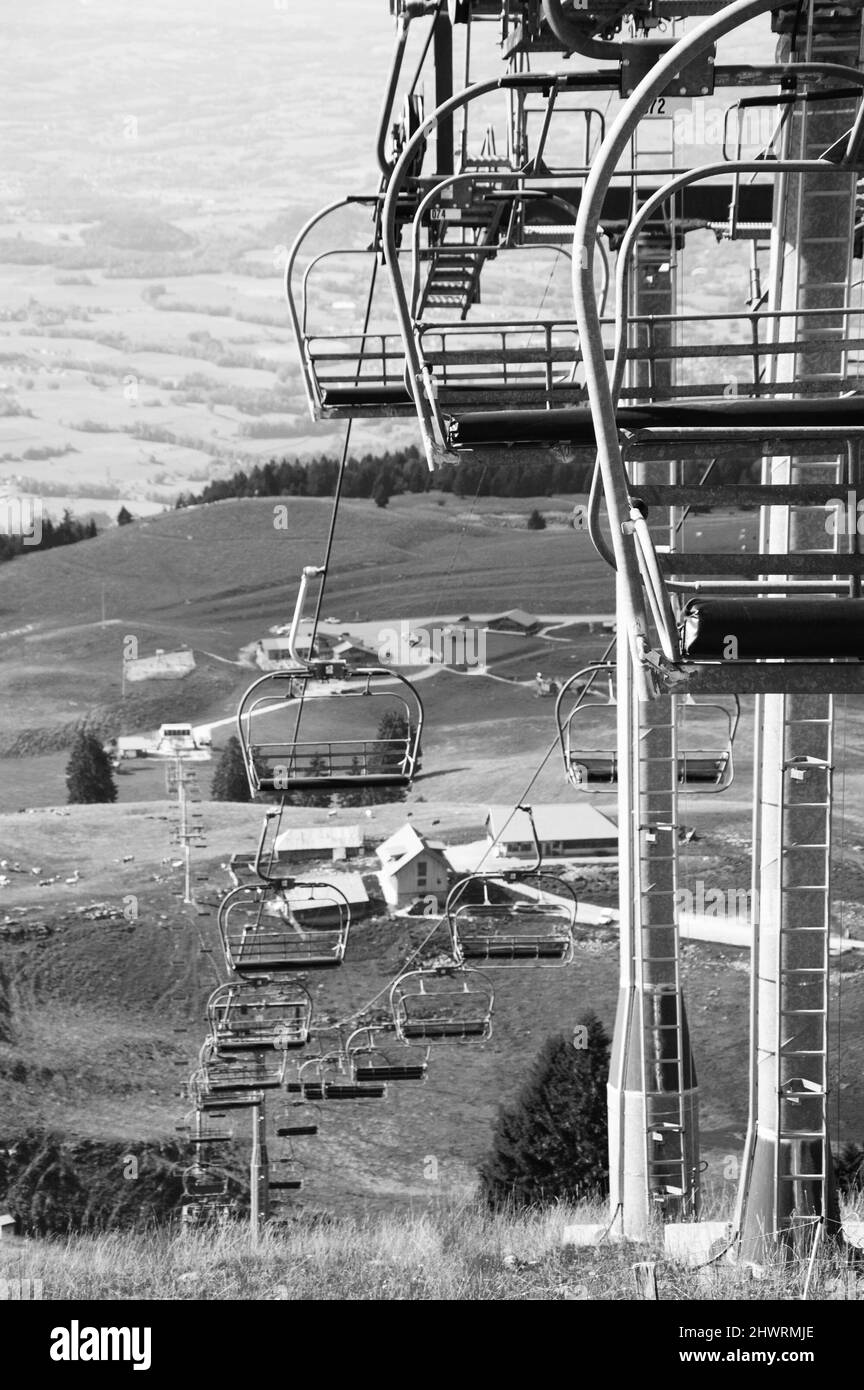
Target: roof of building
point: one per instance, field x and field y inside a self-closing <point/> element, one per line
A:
<point x="319" y="837"/>
<point x="518" y="616"/>
<point x="403" y="846"/>
<point x="347" y="645"/>
<point x="567" y="821"/>
<point x="351" y="885"/>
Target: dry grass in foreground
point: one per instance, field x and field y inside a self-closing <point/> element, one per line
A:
<point x="456" y="1252"/>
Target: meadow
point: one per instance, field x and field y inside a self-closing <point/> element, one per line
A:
<point x="453" y="1252"/>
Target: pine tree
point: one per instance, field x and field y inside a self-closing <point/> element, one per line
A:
<point x="359" y="795"/>
<point x="230" y="782"/>
<point x="536" y="521"/>
<point x="317" y="767"/>
<point x="382" y="489"/>
<point x="551" y="1143"/>
<point x="124" y="516"/>
<point x="89" y="775"/>
<point x="396" y="729"/>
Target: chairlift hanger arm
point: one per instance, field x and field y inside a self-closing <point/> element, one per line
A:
<point x="597" y="380"/>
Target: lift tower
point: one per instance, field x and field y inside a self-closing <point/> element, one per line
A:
<point x="787" y="1189"/>
<point x="653" y="1098"/>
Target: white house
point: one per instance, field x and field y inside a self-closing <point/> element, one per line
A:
<point x="412" y="867"/>
<point x="569" y="831"/>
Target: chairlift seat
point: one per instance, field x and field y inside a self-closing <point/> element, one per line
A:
<point x="514" y="948"/>
<point x="773" y="629"/>
<point x="445" y="1028"/>
<point x="375" y="396"/>
<point x="348" y="1090"/>
<point x="275" y="781"/>
<point x="759" y="418"/>
<point x="385" y="1071"/>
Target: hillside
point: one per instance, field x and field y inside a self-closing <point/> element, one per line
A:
<point x="215" y="578"/>
<point x="94" y="998"/>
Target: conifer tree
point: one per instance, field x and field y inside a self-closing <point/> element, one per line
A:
<point x="89" y="775"/>
<point x="230" y="782"/>
<point x="551" y="1143"/>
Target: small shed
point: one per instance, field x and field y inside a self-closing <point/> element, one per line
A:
<point x="7" y="1225"/>
<point x="317" y="841"/>
<point x="515" y="620"/>
<point x="312" y="908"/>
<point x="567" y="831"/>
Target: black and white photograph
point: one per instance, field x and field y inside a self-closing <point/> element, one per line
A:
<point x="432" y="669"/>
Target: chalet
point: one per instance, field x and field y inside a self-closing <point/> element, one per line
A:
<point x="273" y="654"/>
<point x="568" y="831"/>
<point x="353" y="654"/>
<point x="412" y="867"/>
<point x="515" y="620"/>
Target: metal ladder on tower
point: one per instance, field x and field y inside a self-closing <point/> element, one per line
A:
<point x="801" y="1036"/>
<point x="802" y="1151"/>
<point x="668" y="1077"/>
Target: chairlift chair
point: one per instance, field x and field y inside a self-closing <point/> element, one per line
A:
<point x="233" y="1072"/>
<point x="286" y="718"/>
<point x="283" y="754"/>
<point x="251" y="1014"/>
<point x="442" y="1004"/>
<point x="202" y="1131"/>
<point x="331" y="1078"/>
<point x="268" y="929"/>
<point x="207" y="1211"/>
<point x="301" y="1121"/>
<point x="202" y="1181"/>
<point x="510" y="920"/>
<point x="512" y="916"/>
<point x="207" y="1101"/>
<point x="372" y="1063"/>
<point x="703" y="766"/>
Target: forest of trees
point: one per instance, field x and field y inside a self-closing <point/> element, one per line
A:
<point x="531" y="473"/>
<point x="528" y="473"/>
<point x="53" y="533"/>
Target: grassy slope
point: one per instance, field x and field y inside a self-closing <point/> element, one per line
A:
<point x="451" y="1252"/>
<point x="96" y="1004"/>
<point x="216" y="578"/>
